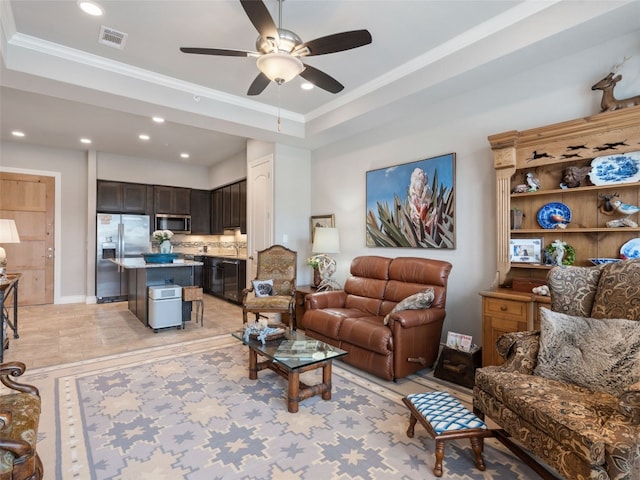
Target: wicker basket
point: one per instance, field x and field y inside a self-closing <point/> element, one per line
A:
<point x="191" y="293"/>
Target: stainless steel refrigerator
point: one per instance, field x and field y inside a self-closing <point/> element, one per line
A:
<point x="118" y="237"/>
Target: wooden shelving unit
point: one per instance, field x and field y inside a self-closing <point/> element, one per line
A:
<point x="547" y="152"/>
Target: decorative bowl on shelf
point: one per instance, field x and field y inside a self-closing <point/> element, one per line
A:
<point x="631" y="249"/>
<point x="159" y="257"/>
<point x="602" y="261"/>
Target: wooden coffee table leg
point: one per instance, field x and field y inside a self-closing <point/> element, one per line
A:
<point x="326" y="381"/>
<point x="294" y="392"/>
<point x="253" y="364"/>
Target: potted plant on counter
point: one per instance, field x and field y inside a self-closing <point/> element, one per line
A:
<point x="163" y="237"/>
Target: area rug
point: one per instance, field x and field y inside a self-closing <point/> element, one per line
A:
<point x="189" y="411"/>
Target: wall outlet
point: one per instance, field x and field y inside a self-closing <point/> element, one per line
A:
<point x="285" y="238"/>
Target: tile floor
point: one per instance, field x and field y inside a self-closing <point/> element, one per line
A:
<point x="56" y="334"/>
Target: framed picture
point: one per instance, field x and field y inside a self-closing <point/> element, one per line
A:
<point x="525" y="250"/>
<point x="412" y="204"/>
<point x="321" y="221"/>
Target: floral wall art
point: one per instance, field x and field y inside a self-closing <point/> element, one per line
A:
<point x="412" y="204"/>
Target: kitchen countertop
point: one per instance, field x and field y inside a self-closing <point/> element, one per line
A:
<point x="140" y="263"/>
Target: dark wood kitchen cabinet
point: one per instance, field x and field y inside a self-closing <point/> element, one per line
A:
<point x="230" y="214"/>
<point x="229" y="208"/>
<point x="172" y="200"/>
<point x="124" y="197"/>
<point x="216" y="212"/>
<point x="243" y="206"/>
<point x="200" y="212"/>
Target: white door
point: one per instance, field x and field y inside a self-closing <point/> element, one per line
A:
<point x="260" y="214"/>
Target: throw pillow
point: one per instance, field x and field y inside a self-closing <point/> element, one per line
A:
<point x="262" y="288"/>
<point x="618" y="294"/>
<point x="417" y="301"/>
<point x="599" y="354"/>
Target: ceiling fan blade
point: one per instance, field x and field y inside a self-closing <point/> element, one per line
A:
<point x="321" y="79"/>
<point x="218" y="51"/>
<point x="261" y="19"/>
<point x="337" y="42"/>
<point x="259" y="84"/>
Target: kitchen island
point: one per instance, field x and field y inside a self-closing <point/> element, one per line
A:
<point x="143" y="275"/>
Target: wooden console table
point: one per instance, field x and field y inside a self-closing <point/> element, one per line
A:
<point x="8" y="287"/>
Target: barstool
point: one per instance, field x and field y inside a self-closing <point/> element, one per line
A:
<point x="194" y="294"/>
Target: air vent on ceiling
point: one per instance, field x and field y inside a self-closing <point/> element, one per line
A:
<point x="112" y="38"/>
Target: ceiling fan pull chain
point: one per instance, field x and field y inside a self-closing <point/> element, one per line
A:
<point x="279" y="87"/>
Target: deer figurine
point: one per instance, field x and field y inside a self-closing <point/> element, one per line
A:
<point x="607" y="84"/>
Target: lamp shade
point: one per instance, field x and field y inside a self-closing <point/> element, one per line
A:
<point x="279" y="67"/>
<point x="326" y="240"/>
<point x="8" y="231"/>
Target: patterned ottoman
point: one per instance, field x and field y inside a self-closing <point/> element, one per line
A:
<point x="445" y="418"/>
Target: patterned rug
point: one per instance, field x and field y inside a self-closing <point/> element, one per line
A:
<point x="189" y="411"/>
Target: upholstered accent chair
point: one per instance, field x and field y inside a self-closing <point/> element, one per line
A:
<point x="274" y="288"/>
<point x="579" y="416"/>
<point x="19" y="419"/>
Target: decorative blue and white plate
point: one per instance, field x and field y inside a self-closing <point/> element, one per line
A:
<point x="612" y="169"/>
<point x="553" y="214"/>
<point x="631" y="249"/>
<point x="602" y="261"/>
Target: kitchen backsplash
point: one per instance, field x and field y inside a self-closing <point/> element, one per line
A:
<point x="211" y="244"/>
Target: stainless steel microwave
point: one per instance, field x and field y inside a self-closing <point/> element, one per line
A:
<point x="175" y="223"/>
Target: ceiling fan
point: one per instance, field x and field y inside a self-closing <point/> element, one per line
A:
<point x="280" y="50"/>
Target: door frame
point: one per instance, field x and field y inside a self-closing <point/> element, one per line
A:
<point x="57" y="209"/>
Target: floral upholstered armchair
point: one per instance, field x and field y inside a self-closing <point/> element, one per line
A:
<point x="19" y="419"/>
<point x="274" y="287"/>
<point x="570" y="393"/>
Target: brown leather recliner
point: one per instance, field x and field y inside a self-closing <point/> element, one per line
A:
<point x="353" y="318"/>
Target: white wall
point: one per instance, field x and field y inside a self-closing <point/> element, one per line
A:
<point x="229" y="171"/>
<point x="153" y="172"/>
<point x="292" y="203"/>
<point x="560" y="91"/>
<point x="292" y="175"/>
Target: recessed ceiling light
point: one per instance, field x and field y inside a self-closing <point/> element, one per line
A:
<point x="158" y="119"/>
<point x="144" y="136"/>
<point x="17" y="133"/>
<point x="85" y="140"/>
<point x="91" y="8"/>
<point x="306" y="85"/>
<point x="184" y="155"/>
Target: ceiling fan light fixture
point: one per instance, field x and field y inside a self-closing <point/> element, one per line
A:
<point x="280" y="67"/>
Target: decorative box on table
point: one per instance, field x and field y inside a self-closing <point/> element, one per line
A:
<point x="458" y="366"/>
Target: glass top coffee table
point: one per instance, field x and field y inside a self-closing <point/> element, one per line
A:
<point x="290" y="356"/>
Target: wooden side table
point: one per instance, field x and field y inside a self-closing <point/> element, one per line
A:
<point x="301" y="292"/>
<point x="506" y="311"/>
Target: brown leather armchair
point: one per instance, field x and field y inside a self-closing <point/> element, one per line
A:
<point x="19" y="419"/>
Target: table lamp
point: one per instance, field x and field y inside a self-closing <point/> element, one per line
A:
<point x="326" y="240"/>
<point x="8" y="234"/>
